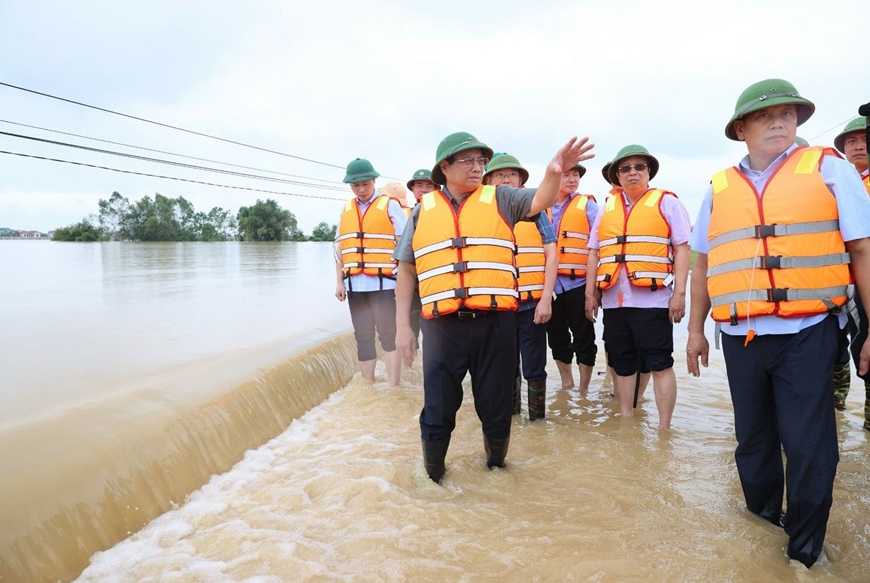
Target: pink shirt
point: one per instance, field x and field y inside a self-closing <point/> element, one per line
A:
<point x="633" y="296"/>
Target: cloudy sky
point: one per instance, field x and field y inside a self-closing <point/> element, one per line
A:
<point x="386" y="80"/>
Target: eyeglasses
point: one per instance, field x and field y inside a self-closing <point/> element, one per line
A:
<point x="499" y="175"/>
<point x="628" y="167"/>
<point x="469" y="162"/>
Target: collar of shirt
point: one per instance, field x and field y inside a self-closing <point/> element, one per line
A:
<point x="866" y="173"/>
<point x="559" y="205"/>
<point x="777" y="162"/>
<point x="453" y="200"/>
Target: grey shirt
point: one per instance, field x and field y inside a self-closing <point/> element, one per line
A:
<point x="513" y="204"/>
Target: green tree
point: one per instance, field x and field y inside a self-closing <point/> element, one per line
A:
<point x="266" y="221"/>
<point x="323" y="232"/>
<point x="83" y="231"/>
<point x="111" y="216"/>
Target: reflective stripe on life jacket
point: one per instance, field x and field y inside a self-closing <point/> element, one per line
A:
<point x="637" y="238"/>
<point x="367" y="241"/>
<point x="780" y="253"/>
<point x="464" y="259"/>
<point x="530" y="261"/>
<point x="573" y="236"/>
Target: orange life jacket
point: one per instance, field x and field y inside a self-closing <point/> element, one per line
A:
<point x="639" y="239"/>
<point x="780" y="253"/>
<point x="573" y="236"/>
<point x="464" y="259"/>
<point x="530" y="261"/>
<point x="367" y="241"/>
<point x="867" y="182"/>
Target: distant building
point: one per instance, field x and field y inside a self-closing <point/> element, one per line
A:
<point x="31" y="235"/>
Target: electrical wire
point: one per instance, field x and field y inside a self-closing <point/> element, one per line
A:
<point x="170" y="177"/>
<point x="165" y="152"/>
<point x="174" y="163"/>
<point x="166" y="125"/>
<point x="177" y="128"/>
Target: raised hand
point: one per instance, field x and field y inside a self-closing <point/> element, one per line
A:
<point x="570" y="154"/>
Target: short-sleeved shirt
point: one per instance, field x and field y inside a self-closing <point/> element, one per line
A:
<point x="853" y="207"/>
<point x="368" y="283"/>
<point x="514" y="205"/>
<point x="564" y="282"/>
<point x="548" y="236"/>
<point x="633" y="296"/>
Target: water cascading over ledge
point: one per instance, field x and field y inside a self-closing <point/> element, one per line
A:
<point x="82" y="479"/>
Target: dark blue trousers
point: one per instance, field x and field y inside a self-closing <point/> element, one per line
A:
<point x="782" y="390"/>
<point x="532" y="340"/>
<point x="487" y="348"/>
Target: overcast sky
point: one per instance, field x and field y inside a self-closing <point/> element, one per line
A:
<point x="332" y="81"/>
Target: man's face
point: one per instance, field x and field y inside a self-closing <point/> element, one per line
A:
<point x="570" y="182"/>
<point x="855" y="147"/>
<point x="505" y="177"/>
<point x="421" y="187"/>
<point x="466" y="171"/>
<point x="633" y="174"/>
<point x="769" y="131"/>
<point x="363" y="190"/>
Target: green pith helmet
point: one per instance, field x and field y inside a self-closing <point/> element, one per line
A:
<point x="769" y="93"/>
<point x="604" y="173"/>
<point x="360" y="170"/>
<point x="453" y="144"/>
<point x="421" y="174"/>
<point x="856" y="125"/>
<point x="503" y="161"/>
<point x="800" y="141"/>
<point x="628" y="152"/>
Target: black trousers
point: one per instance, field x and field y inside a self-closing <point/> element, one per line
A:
<point x="783" y="395"/>
<point x="532" y="344"/>
<point x="569" y="319"/>
<point x="859" y="335"/>
<point x="487" y="348"/>
<point x="371" y="312"/>
<point x="416" y="308"/>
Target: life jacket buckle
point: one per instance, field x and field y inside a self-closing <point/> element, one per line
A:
<point x="460" y="293"/>
<point x="619" y="258"/>
<point x="777" y="294"/>
<point x="620" y="239"/>
<point x="762" y="231"/>
<point x="457" y="242"/>
<point x="460" y="267"/>
<point x="771" y="261"/>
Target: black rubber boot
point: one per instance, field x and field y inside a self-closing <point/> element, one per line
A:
<point x="496" y="450"/>
<point x="517" y="398"/>
<point x="434" y="453"/>
<point x="537" y="399"/>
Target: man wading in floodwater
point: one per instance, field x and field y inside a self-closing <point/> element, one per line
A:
<point x="459" y="245"/>
<point x="772" y="236"/>
<point x="366" y="239"/>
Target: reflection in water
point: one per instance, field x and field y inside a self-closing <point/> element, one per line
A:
<point x="133" y="372"/>
<point x="343" y="495"/>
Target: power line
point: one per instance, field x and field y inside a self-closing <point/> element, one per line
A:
<point x="174" y="163"/>
<point x="165" y="125"/>
<point x="165" y="152"/>
<point x="171" y="177"/>
<point x="832" y="129"/>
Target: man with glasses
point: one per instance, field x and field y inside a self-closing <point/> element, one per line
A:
<point x="772" y="237"/>
<point x="536" y="276"/>
<point x="569" y="333"/>
<point x="366" y="238"/>
<point x="459" y="245"/>
<point x="639" y="257"/>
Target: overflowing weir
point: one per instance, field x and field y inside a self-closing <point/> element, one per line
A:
<point x="82" y="479"/>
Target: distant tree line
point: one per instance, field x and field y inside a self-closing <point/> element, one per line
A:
<point x="175" y="219"/>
